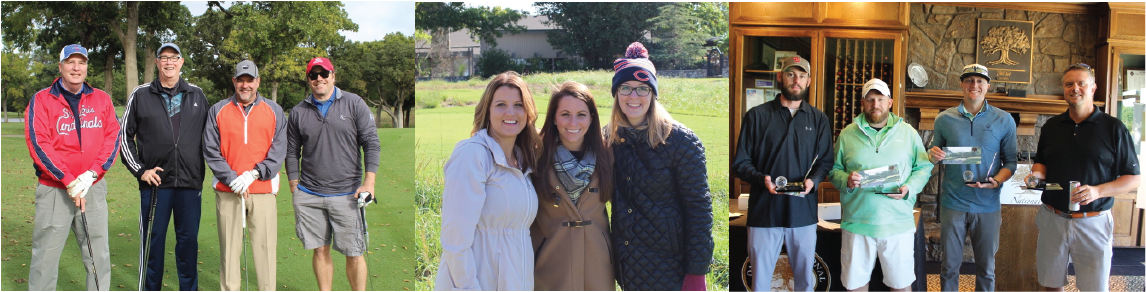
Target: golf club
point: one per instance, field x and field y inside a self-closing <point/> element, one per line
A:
<point x="243" y="249"/>
<point x="145" y="253"/>
<point x="84" y="217"/>
<point x="366" y="233"/>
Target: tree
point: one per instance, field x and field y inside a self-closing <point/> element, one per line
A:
<point x="42" y="28"/>
<point x="677" y="37"/>
<point x="1005" y="39"/>
<point x="163" y="19"/>
<point x="126" y="28"/>
<point x="598" y="32"/>
<point x="440" y="19"/>
<point x="396" y="66"/>
<point x="282" y="36"/>
<point x="17" y="80"/>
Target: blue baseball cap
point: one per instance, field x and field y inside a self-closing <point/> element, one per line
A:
<point x="168" y="45"/>
<point x="73" y="49"/>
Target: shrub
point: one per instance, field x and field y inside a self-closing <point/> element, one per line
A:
<point x="494" y="61"/>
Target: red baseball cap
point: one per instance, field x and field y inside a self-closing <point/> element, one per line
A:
<point x="320" y="61"/>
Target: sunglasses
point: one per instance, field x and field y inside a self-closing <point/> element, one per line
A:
<point x="314" y="75"/>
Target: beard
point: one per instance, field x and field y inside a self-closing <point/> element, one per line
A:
<point x="873" y="119"/>
<point x="794" y="96"/>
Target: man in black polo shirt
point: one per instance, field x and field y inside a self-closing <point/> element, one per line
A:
<point x="1086" y="145"/>
<point x="784" y="137"/>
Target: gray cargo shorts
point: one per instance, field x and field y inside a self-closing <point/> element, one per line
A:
<point x="329" y="220"/>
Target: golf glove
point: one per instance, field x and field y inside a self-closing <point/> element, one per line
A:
<point x="80" y="185"/>
<point x="240" y="184"/>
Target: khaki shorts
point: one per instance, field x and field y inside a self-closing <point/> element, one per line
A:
<point x="329" y="220"/>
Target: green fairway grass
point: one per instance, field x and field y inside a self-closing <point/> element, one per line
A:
<point x="391" y="226"/>
<point x="699" y="104"/>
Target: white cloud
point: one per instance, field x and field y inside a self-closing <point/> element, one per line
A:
<point x="375" y="19"/>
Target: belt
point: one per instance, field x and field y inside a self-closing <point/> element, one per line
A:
<point x="577" y="223"/>
<point x="1073" y="215"/>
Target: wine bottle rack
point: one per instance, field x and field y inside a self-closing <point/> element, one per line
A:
<point x="853" y="62"/>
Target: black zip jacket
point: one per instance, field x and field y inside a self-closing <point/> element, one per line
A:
<point x="147" y="140"/>
<point x="775" y="143"/>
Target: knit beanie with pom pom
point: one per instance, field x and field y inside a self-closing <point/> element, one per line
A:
<point x="635" y="66"/>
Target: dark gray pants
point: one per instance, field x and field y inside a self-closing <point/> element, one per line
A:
<point x="983" y="228"/>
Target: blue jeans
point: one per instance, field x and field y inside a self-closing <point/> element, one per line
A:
<point x="185" y="206"/>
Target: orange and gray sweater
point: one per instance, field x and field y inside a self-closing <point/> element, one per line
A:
<point x="239" y="138"/>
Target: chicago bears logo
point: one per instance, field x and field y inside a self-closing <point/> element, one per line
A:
<point x="642" y="78"/>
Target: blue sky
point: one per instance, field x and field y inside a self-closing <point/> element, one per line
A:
<point x="375" y="19"/>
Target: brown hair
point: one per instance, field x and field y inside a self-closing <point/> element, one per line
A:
<point x="594" y="142"/>
<point x="659" y="121"/>
<point x="527" y="139"/>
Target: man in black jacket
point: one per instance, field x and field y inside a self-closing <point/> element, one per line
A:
<point x="162" y="144"/>
<point x="790" y="138"/>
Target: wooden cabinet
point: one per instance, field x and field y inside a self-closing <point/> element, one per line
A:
<point x="1120" y="39"/>
<point x="878" y="15"/>
<point x="846" y="43"/>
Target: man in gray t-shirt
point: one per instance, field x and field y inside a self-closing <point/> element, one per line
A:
<point x="329" y="133"/>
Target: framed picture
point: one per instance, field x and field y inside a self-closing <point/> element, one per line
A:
<point x="770" y="94"/>
<point x="752" y="98"/>
<point x="765" y="83"/>
<point x="1006" y="47"/>
<point x="781" y="55"/>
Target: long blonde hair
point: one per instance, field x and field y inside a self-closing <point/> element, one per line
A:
<point x="527" y="140"/>
<point x="659" y="121"/>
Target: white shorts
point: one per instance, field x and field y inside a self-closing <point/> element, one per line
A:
<point x="896" y="256"/>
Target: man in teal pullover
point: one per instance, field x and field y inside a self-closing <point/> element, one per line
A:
<point x="973" y="209"/>
<point x="878" y="221"/>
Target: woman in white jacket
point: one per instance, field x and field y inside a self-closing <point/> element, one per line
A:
<point x="489" y="203"/>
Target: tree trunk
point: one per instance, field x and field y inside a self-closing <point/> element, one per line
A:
<point x="109" y="76"/>
<point x="275" y="92"/>
<point x="149" y="64"/>
<point x="395" y="111"/>
<point x="440" y="53"/>
<point x="377" y="117"/>
<point x="127" y="37"/>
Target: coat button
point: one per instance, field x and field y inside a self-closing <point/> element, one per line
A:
<point x="630" y="210"/>
<point x="628" y="178"/>
<point x="622" y="140"/>
<point x="626" y="242"/>
<point x="557" y="187"/>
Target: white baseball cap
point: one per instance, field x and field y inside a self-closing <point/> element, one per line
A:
<point x="877" y="85"/>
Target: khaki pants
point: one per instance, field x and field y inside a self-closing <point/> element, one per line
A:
<point x="263" y="225"/>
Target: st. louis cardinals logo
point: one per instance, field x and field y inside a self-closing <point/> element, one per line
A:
<point x="67" y="122"/>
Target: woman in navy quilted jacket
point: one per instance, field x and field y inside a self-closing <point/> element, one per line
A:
<point x="662" y="211"/>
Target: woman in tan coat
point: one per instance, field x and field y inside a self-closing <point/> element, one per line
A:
<point x="574" y="182"/>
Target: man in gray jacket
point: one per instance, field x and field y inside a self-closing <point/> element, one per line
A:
<point x="327" y="134"/>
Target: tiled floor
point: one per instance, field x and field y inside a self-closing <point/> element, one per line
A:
<point x="1126" y="269"/>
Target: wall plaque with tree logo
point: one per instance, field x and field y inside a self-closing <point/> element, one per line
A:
<point x="1006" y="47"/>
